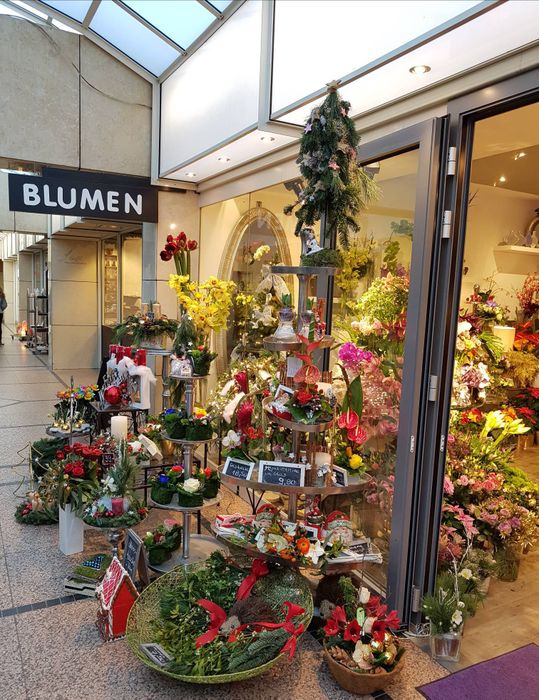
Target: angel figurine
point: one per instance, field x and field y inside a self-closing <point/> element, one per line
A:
<point x="309" y="244"/>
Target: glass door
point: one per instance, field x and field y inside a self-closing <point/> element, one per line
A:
<point x="382" y="307"/>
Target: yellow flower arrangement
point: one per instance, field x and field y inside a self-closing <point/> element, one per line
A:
<point x="208" y="304"/>
<point x="355" y="462"/>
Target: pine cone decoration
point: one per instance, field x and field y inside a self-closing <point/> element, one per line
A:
<point x="342" y="656"/>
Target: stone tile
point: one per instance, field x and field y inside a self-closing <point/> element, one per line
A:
<point x="15" y="442"/>
<point x="27" y="376"/>
<point x="30" y="391"/>
<point x="11" y="676"/>
<point x="419" y="668"/>
<point x="26" y="413"/>
<point x="6" y="601"/>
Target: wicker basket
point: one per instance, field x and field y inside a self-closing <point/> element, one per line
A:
<point x="278" y="586"/>
<point x="360" y="683"/>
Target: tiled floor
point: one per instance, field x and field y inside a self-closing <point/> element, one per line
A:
<point x="49" y="645"/>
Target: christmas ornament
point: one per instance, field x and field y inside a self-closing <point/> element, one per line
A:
<point x="113" y="395"/>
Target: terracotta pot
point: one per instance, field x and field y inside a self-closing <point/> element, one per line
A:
<point x="360" y="683"/>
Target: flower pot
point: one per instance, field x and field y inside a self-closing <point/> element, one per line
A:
<point x="360" y="683"/>
<point x="71" y="531"/>
<point x="161" y="494"/>
<point x="190" y="500"/>
<point x="483" y="586"/>
<point x="198" y="432"/>
<point x="211" y="488"/>
<point x="167" y="447"/>
<point x="508" y="561"/>
<point x="156" y="342"/>
<point x="445" y="645"/>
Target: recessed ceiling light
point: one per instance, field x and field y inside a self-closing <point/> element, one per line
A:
<point x="191" y="174"/>
<point x="502" y="178"/>
<point x="223" y="159"/>
<point x="520" y="155"/>
<point x="172" y="227"/>
<point x="419" y="70"/>
<point x="267" y="138"/>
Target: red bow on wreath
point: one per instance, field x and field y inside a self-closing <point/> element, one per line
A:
<point x="217" y="618"/>
<point x="259" y="568"/>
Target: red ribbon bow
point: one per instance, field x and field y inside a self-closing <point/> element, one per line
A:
<point x="259" y="568"/>
<point x="217" y="618"/>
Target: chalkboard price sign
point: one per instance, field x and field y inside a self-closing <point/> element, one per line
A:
<point x="281" y="473"/>
<point x="341" y="476"/>
<point x="238" y="468"/>
<point x="134" y="559"/>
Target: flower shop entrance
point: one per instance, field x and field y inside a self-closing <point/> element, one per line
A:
<point x="482" y="480"/>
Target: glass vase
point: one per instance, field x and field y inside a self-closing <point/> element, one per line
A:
<point x="285" y="329"/>
<point x="445" y="645"/>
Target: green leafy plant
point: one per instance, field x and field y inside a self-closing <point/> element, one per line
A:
<point x="144" y="329"/>
<point x="327" y="257"/>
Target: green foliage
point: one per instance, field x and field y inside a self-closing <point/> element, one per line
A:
<point x="403" y="227"/>
<point x="391" y="251"/>
<point x="141" y="330"/>
<point x="350" y="596"/>
<point x="266" y="646"/>
<point x="523" y="367"/>
<point x="47" y="516"/>
<point x="327" y="257"/>
<point x="335" y="184"/>
<point x="186" y="336"/>
<point x="124" y="471"/>
<point x="353" y="398"/>
<point x="493" y="346"/>
<point x="42" y="453"/>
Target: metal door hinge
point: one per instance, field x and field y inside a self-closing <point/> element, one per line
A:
<point x="452" y="160"/>
<point x="412" y="444"/>
<point x="416" y="599"/>
<point x="433" y="387"/>
<point x="446" y="223"/>
<point x="442" y="443"/>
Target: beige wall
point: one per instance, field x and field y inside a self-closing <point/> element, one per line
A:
<point x="9" y="289"/>
<point x="73" y="303"/>
<point x="40" y="89"/>
<point x="24" y="283"/>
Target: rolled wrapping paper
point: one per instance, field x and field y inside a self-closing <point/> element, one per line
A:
<point x="507" y="335"/>
<point x="118" y="427"/>
<point x="156" y="309"/>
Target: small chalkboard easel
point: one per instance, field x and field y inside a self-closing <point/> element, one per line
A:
<point x="134" y="559"/>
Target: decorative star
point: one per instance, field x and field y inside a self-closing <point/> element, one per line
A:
<point x="308" y="127"/>
<point x="333" y="165"/>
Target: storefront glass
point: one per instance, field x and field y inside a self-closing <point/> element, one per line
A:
<point x="131" y="275"/>
<point x="122" y="277"/>
<point x="110" y="282"/>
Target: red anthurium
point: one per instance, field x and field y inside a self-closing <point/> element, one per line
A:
<point x="357" y="435"/>
<point x="352" y="632"/>
<point x="348" y="420"/>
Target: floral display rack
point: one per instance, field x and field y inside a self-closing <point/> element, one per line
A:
<point x="194" y="547"/>
<point x="165" y="379"/>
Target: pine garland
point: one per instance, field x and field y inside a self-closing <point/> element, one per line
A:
<point x="336" y="185"/>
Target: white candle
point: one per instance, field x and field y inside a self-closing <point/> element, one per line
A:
<point x="156" y="308"/>
<point x="118" y="427"/>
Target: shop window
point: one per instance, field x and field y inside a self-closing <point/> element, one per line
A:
<point x="110" y="282"/>
<point x="131" y="275"/>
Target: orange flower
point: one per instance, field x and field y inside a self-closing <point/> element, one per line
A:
<point x="303" y="545"/>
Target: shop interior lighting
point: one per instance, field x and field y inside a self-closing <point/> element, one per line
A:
<point x="172" y="227"/>
<point x="520" y="155"/>
<point x="267" y="138"/>
<point x="190" y="174"/>
<point x="502" y="178"/>
<point x="223" y="159"/>
<point x="419" y="70"/>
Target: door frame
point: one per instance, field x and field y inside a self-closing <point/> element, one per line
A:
<point x="427" y="138"/>
<point x="463" y="113"/>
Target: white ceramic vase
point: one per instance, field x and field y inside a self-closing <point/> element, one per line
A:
<point x="71" y="531"/>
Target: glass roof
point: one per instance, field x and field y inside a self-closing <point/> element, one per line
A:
<point x="154" y="33"/>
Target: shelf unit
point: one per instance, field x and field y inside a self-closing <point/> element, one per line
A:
<point x="37" y="306"/>
<point x="516" y="259"/>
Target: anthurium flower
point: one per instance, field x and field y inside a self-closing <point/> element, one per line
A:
<point x="352" y="633"/>
<point x="357" y="435"/>
<point x="348" y="420"/>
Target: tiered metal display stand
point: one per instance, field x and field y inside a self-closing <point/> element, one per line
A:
<point x="194" y="547"/>
<point x="305" y="274"/>
<point x="165" y="378"/>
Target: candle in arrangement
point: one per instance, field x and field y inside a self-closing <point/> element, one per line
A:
<point x="118" y="427"/>
<point x="145" y="309"/>
<point x="507" y="335"/>
<point x="156" y="309"/>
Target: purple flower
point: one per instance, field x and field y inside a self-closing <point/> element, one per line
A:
<point x="351" y="356"/>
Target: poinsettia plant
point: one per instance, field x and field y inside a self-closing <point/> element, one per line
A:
<point x="359" y="634"/>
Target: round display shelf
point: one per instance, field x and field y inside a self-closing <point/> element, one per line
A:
<point x="192" y="443"/>
<point x="294" y="425"/>
<point x="56" y="432"/>
<point x="180" y="509"/>
<point x="278" y="345"/>
<point x="304" y="270"/>
<point x="193" y="377"/>
<point x="307" y="490"/>
<point x="200" y="548"/>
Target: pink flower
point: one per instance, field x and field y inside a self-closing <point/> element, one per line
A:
<point x="463" y="480"/>
<point x="449" y="489"/>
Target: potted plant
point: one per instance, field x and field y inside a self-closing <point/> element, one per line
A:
<point x="446" y="613"/>
<point x="163" y="541"/>
<point x="190" y="493"/>
<point x="360" y="648"/>
<point x="163" y="486"/>
<point x="212" y="482"/>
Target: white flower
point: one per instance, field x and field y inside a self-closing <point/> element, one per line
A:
<point x="463" y="327"/>
<point x="191" y="485"/>
<point x="315" y="552"/>
<point x="364" y="595"/>
<point x="367" y="625"/>
<point x="363" y="656"/>
<point x="109" y="485"/>
<point x="456" y="618"/>
<point x="466" y="573"/>
<point x="231" y="439"/>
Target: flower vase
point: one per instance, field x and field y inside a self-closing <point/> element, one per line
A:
<point x="508" y="561"/>
<point x="445" y="645"/>
<point x="71" y="540"/>
<point x="156" y="342"/>
<point x="524" y="442"/>
<point x="167" y="447"/>
<point x="483" y="586"/>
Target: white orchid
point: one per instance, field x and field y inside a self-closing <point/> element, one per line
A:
<point x="315" y="552"/>
<point x="231" y="439"/>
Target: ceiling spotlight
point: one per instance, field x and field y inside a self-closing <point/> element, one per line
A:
<point x="172" y="227"/>
<point x="520" y="155"/>
<point x="190" y="174"/>
<point x="502" y="178"/>
<point x="223" y="159"/>
<point x="419" y="70"/>
<point x="267" y="138"/>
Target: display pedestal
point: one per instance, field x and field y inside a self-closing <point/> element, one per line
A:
<point x="71" y="531"/>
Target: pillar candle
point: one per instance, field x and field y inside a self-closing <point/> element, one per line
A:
<point x="156" y="309"/>
<point x="118" y="427"/>
<point x="506" y="334"/>
<point x="145" y="308"/>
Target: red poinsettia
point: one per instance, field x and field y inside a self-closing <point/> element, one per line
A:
<point x="303" y="397"/>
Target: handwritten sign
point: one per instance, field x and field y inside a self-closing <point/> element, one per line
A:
<point x="238" y="468"/>
<point x="361" y="547"/>
<point x="134" y="559"/>
<point x="341" y="476"/>
<point x="281" y="473"/>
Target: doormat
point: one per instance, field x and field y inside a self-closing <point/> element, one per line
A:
<point x="511" y="675"/>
